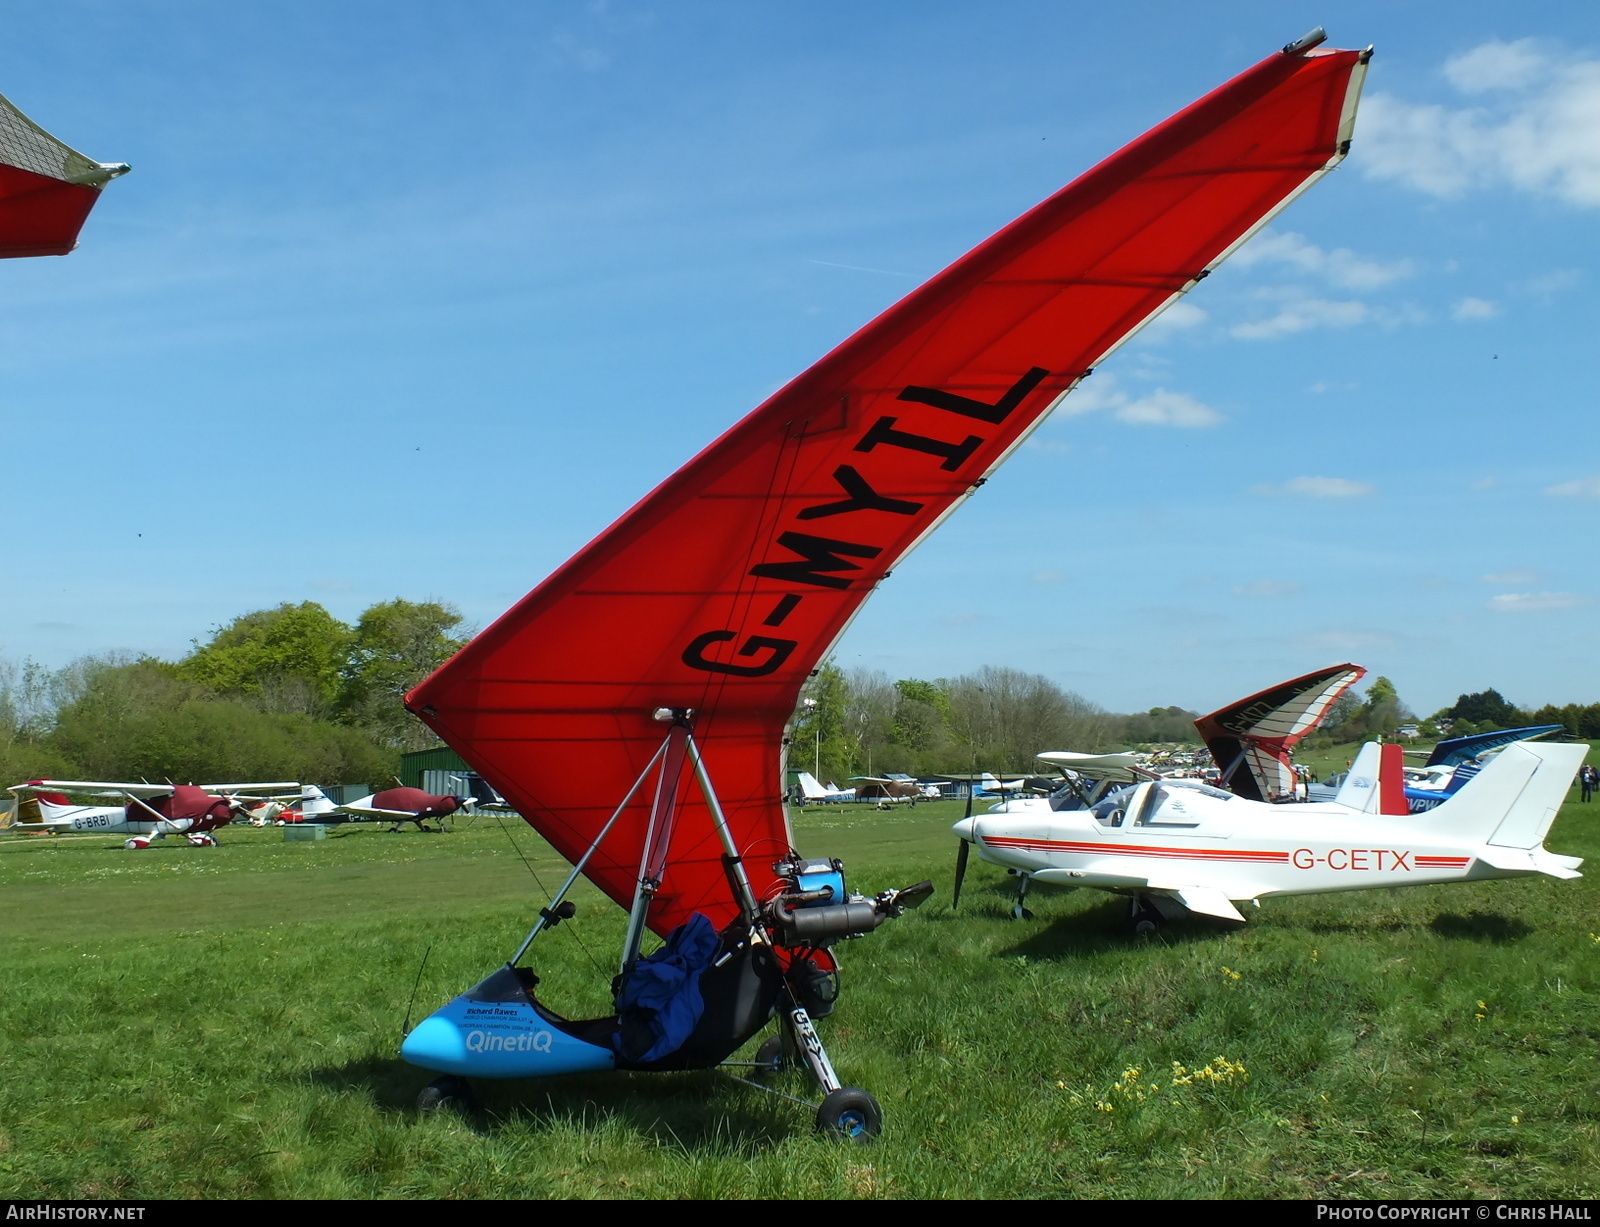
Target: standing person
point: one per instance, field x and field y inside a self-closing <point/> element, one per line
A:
<point x="1588" y="777"/>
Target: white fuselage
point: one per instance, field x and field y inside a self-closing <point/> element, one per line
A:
<point x="1176" y="835"/>
<point x="98" y="819"/>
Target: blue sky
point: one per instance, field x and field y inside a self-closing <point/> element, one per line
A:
<point x="412" y="300"/>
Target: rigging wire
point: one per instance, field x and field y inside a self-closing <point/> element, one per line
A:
<point x="500" y="818"/>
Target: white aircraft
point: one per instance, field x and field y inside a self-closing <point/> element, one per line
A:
<point x="816" y="794"/>
<point x="1181" y="847"/>
<point x="987" y="783"/>
<point x="144" y="811"/>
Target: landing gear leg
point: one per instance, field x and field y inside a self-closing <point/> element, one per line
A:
<point x="847" y="1113"/>
<point x="1018" y="911"/>
<point x="1143" y="919"/>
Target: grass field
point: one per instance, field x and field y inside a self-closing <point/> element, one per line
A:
<point x="223" y="1022"/>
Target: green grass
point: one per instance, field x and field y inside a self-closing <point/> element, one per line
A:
<point x="223" y="1023"/>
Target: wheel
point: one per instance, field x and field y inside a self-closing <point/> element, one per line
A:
<point x="770" y="1056"/>
<point x="850" y="1114"/>
<point x="1143" y="920"/>
<point x="1021" y="913"/>
<point x="446" y="1092"/>
<point x="134" y="844"/>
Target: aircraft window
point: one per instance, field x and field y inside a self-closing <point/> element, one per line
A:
<point x="1112" y="809"/>
<point x="1165" y="808"/>
<point x="1220" y="794"/>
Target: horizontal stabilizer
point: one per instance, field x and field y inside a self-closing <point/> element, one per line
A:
<point x="1531" y="860"/>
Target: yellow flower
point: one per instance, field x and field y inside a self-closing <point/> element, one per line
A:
<point x="1230" y="973"/>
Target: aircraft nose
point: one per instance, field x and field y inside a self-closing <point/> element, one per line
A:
<point x="435" y="1043"/>
<point x="967" y="829"/>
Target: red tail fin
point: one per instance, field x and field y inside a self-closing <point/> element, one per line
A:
<point x="1392" y="780"/>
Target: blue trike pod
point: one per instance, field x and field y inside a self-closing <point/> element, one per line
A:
<point x="496" y="1029"/>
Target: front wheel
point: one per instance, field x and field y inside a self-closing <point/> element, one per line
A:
<point x="850" y="1114"/>
<point x="770" y="1056"/>
<point x="447" y="1092"/>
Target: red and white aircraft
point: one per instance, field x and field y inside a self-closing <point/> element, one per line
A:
<point x="145" y="812"/>
<point x="394" y="805"/>
<point x="1181" y="847"/>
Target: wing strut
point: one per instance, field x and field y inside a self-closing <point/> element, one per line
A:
<point x="551" y="915"/>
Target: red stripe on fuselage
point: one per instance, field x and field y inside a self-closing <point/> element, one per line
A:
<point x="1182" y="854"/>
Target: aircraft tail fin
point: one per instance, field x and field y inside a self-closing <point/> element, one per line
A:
<point x="809" y="788"/>
<point x="1360" y="788"/>
<point x="1510" y="804"/>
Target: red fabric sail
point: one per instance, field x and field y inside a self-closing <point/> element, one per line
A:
<point x="722" y="589"/>
<point x="46" y="188"/>
<point x="1252" y="740"/>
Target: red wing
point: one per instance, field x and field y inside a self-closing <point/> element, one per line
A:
<point x="1252" y="739"/>
<point x="722" y="589"/>
<point x="46" y="188"/>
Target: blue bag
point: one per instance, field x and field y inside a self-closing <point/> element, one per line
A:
<point x="659" y="1003"/>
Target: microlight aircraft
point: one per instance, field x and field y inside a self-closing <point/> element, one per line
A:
<point x="1252" y="740"/>
<point x="634" y="707"/>
<point x="46" y="188"/>
<point x="1178" y="848"/>
<point x="146" y="812"/>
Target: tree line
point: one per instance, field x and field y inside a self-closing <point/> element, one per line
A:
<point x="860" y="722"/>
<point x="290" y="693"/>
<point x="293" y="693"/>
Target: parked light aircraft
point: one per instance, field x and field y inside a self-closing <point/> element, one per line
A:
<point x="1182" y="847"/>
<point x="396" y="805"/>
<point x="820" y="794"/>
<point x="146" y="811"/>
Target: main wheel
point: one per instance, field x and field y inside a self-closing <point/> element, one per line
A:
<point x="447" y="1092"/>
<point x="1144" y="920"/>
<point x="850" y="1114"/>
<point x="770" y="1055"/>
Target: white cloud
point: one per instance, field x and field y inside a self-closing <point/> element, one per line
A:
<point x="1163" y="408"/>
<point x="1267" y="588"/>
<point x="1340" y="267"/>
<point x="1303" y="314"/>
<point x="1583" y="487"/>
<point x="1495" y="65"/>
<point x="1475" y="309"/>
<point x="1548" y="285"/>
<point x="1534" y="131"/>
<point x="1048" y="577"/>
<point x="1159" y="408"/>
<point x="1321" y="487"/>
<point x="1522" y="576"/>
<point x="1179" y="317"/>
<point x="1485" y="483"/>
<point x="1535" y="602"/>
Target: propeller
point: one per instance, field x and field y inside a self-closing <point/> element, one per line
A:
<point x="961" y="855"/>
